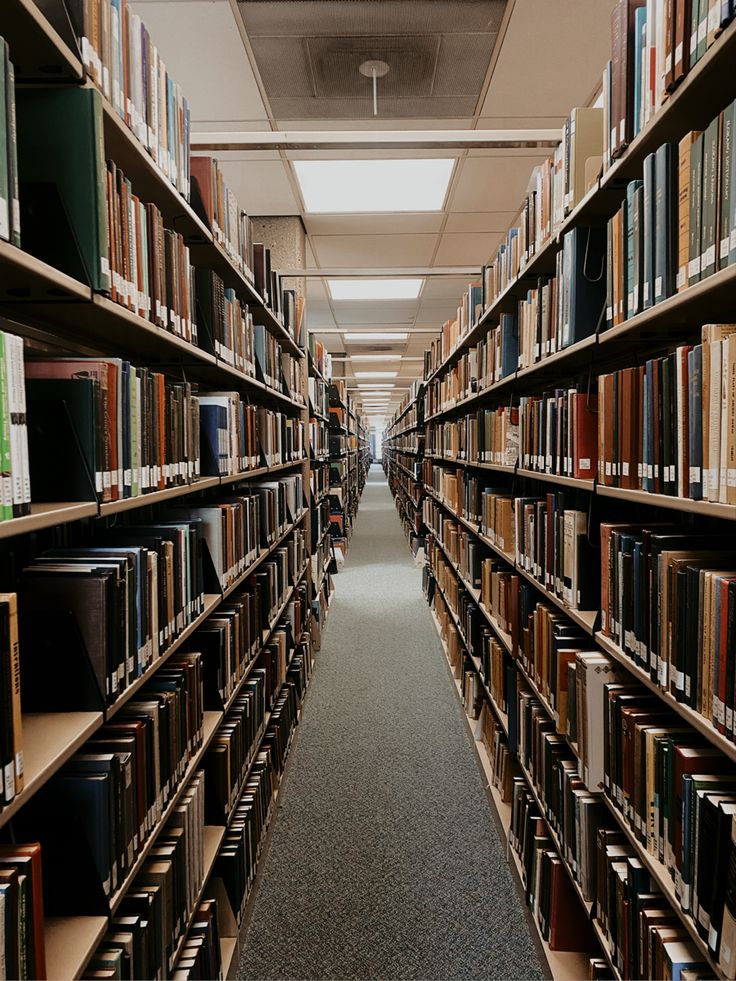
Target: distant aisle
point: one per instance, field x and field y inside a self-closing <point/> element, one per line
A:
<point x="385" y="860"/>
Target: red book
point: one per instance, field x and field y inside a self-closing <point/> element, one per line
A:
<point x="585" y="435"/>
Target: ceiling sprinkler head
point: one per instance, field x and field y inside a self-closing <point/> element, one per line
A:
<point x="375" y="69"/>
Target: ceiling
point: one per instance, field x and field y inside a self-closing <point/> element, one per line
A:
<point x="465" y="64"/>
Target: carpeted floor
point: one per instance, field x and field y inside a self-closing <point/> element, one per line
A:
<point x="385" y="860"/>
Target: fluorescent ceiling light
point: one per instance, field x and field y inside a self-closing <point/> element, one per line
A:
<point x="376" y="374"/>
<point x="376" y="335"/>
<point x="374" y="289"/>
<point x="375" y="357"/>
<point x="360" y="186"/>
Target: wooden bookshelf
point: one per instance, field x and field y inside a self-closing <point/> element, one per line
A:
<point x="563" y="965"/>
<point x="43" y="55"/>
<point x="49" y="740"/>
<point x="70" y="942"/>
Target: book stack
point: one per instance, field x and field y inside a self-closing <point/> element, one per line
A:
<point x="552" y="546"/>
<point x="137" y="431"/>
<point x="218" y="207"/>
<point x="548" y="890"/>
<point x="122" y="60"/>
<point x="231" y="752"/>
<point x="558" y="433"/>
<point x="131" y="595"/>
<point x="653" y="47"/>
<point x="114" y="791"/>
<point x="200" y="955"/>
<point x="21" y="887"/>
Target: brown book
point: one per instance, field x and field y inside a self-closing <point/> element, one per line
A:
<point x="202" y="188"/>
<point x="27" y="858"/>
<point x="10" y="656"/>
<point x="681" y="61"/>
<point x="569" y="929"/>
<point x="683" y="208"/>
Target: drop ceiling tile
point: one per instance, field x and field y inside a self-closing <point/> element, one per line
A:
<point x="479" y="221"/>
<point x="473" y="248"/>
<point x="201" y="46"/>
<point x="357" y="313"/>
<point x="444" y="287"/>
<point x="491" y="184"/>
<point x="562" y="73"/>
<point x="319" y="315"/>
<point x="373" y="250"/>
<point x="261" y="188"/>
<point x="373" y="224"/>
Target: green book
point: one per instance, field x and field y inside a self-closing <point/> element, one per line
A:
<point x="61" y="142"/>
<point x="709" y="222"/>
<point x="13" y="192"/>
<point x="696" y="203"/>
<point x="6" y="477"/>
<point x="727" y="135"/>
<point x="4" y="147"/>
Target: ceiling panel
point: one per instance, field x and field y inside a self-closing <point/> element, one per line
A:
<point x="479" y="221"/>
<point x="200" y="43"/>
<point x="373" y="250"/>
<point x="373" y="224"/>
<point x="542" y="67"/>
<point x="444" y="287"/>
<point x="349" y="312"/>
<point x="466" y="248"/>
<point x="262" y="187"/>
<point x="491" y="184"/>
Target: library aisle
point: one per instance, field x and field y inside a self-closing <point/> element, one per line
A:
<point x="385" y="859"/>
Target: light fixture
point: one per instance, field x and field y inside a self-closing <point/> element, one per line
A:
<point x="375" y="335"/>
<point x="376" y="374"/>
<point x="375" y="357"/>
<point x="375" y="388"/>
<point x="375" y="289"/>
<point x="362" y="186"/>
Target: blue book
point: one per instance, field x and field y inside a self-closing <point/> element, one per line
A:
<point x="665" y="218"/>
<point x="640" y="26"/>
<point x="649" y="233"/>
<point x="509" y="344"/>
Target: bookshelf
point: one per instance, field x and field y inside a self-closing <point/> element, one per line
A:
<point x="320" y="373"/>
<point x="465" y="393"/>
<point x="58" y="313"/>
<point x="403" y="453"/>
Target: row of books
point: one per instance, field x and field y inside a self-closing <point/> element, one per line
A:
<point x="9" y="194"/>
<point x="320" y="356"/>
<point x="563" y="789"/>
<point x="150" y="271"/>
<point x="111" y="238"/>
<point x="465" y="494"/>
<point x="318" y="396"/>
<point x="238" y="436"/>
<point x="558" y="433"/>
<point x="22" y="937"/>
<point x="237" y="861"/>
<point x="228" y="331"/>
<point x="558" y="312"/>
<point x="668" y="602"/>
<point x="653" y="47"/>
<point x="111" y="794"/>
<point x="201" y="954"/>
<point x="122" y="60"/>
<point x="483" y="436"/>
<point x="668" y="426"/>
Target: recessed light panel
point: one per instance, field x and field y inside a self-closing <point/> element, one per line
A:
<point x="375" y="357"/>
<point x="375" y="335"/>
<point x="374" y="289"/>
<point x="376" y="374"/>
<point x="373" y="186"/>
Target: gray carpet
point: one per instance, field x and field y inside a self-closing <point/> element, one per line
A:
<point x="385" y="860"/>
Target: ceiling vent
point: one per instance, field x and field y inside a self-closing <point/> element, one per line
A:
<point x="309" y="53"/>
